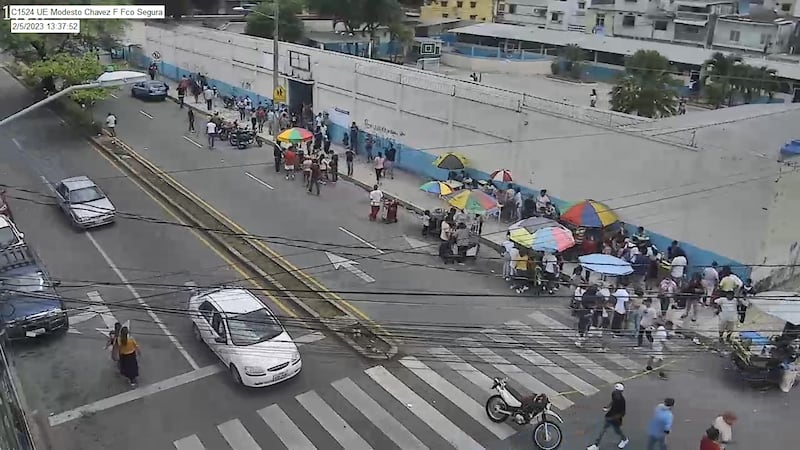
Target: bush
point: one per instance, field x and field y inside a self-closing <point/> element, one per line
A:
<point x="555" y="67"/>
<point x="576" y="71"/>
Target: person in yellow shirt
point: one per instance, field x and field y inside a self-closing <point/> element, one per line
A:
<point x="522" y="272"/>
<point x="128" y="349"/>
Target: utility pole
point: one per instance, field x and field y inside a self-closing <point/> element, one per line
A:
<point x="275" y="57"/>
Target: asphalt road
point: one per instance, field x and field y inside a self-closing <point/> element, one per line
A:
<point x="126" y="264"/>
<point x="243" y="185"/>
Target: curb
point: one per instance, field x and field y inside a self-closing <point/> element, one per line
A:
<point x="337" y="325"/>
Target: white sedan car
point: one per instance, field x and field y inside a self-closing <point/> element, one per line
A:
<point x="245" y="335"/>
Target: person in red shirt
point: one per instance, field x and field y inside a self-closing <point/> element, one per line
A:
<point x="711" y="440"/>
<point x="289" y="162"/>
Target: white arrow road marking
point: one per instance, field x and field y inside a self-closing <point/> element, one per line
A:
<point x="360" y="239"/>
<point x="145" y="114"/>
<point x="259" y="181"/>
<point x="338" y="262"/>
<point x="80" y="318"/>
<point x="99" y="308"/>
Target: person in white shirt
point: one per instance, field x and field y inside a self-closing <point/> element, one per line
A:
<point x="677" y="268"/>
<point x="445" y="233"/>
<point x="550" y="264"/>
<point x="710" y="282"/>
<point x="111" y="124"/>
<point x="727" y="315"/>
<point x="724" y="424"/>
<point x="375" y="199"/>
<point x="508" y="265"/>
<point x="621" y="297"/>
<point x="542" y="201"/>
<point x="518" y="205"/>
<point x="514" y="257"/>
<point x="658" y="347"/>
<point x="211" y="131"/>
<point x="647" y="318"/>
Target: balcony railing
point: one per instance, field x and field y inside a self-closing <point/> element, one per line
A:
<point x="694" y="16"/>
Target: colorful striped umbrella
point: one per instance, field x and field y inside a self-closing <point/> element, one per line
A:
<point x="295" y="135"/>
<point x="451" y="161"/>
<point x="503" y="176"/>
<point x="474" y="202"/>
<point x="436" y="187"/>
<point x="547" y="239"/>
<point x="590" y="214"/>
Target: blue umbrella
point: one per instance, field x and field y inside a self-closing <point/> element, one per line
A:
<point x="605" y="264"/>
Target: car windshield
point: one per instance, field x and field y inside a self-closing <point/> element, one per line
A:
<point x="85" y="195"/>
<point x="253" y="327"/>
<point x="7" y="237"/>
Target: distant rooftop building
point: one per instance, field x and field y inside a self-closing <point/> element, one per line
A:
<point x="476" y="10"/>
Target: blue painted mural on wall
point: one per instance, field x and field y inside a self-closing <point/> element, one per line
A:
<point x="420" y="163"/>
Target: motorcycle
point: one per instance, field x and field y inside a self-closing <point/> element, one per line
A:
<point x="535" y="409"/>
<point x="228" y="102"/>
<point x="244" y="138"/>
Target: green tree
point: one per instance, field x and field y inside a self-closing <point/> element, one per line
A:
<point x="69" y="70"/>
<point x="723" y="78"/>
<point x="260" y="22"/>
<point x="95" y="35"/>
<point x="572" y="56"/>
<point x="647" y="88"/>
<point x="359" y="15"/>
<point x="402" y="39"/>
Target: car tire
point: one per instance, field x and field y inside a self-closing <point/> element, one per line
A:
<point x="237" y="378"/>
<point x="196" y="333"/>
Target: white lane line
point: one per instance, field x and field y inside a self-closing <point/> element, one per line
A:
<point x="189" y="443"/>
<point x="556" y="371"/>
<point x="285" y="429"/>
<point x="309" y="338"/>
<point x="375" y="413"/>
<point x="16" y="142"/>
<point x="237" y="436"/>
<point x="113" y="96"/>
<point x="360" y="239"/>
<point x="140" y="300"/>
<point x="259" y="181"/>
<point x="135" y="394"/>
<point x="332" y="422"/>
<point x="456" y="396"/>
<point x="145" y="114"/>
<point x="422" y="409"/>
<point x="576" y="358"/>
<point x="193" y="142"/>
<point x="565" y="331"/>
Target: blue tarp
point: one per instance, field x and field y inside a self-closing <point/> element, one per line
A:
<point x="791" y="148"/>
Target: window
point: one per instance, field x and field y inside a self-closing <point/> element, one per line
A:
<point x="512" y="9"/>
<point x="473" y="4"/>
<point x="85" y="195"/>
<point x="554" y="17"/>
<point x="786" y="7"/>
<point x="459" y="4"/>
<point x="660" y="25"/>
<point x="734" y="35"/>
<point x="444" y="4"/>
<point x="600" y="20"/>
<point x="473" y="17"/>
<point x="628" y="21"/>
<point x="218" y="324"/>
<point x="206" y="309"/>
<point x="581" y="5"/>
<point x="445" y="15"/>
<point x="253" y="327"/>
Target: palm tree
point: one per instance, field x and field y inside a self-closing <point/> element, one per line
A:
<point x="723" y="77"/>
<point x="572" y="55"/>
<point x="766" y="80"/>
<point x="647" y="88"/>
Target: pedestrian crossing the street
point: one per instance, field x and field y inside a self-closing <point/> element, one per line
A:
<point x="435" y="398"/>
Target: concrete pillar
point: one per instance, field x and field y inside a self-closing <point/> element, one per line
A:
<point x="451" y="114"/>
<point x="354" y="94"/>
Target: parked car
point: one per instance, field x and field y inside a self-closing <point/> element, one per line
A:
<point x="150" y="90"/>
<point x="10" y="236"/>
<point x="246" y="336"/>
<point x="84" y="202"/>
<point x="30" y="306"/>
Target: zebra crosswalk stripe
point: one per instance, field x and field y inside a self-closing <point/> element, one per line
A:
<point x="545" y="364"/>
<point x="189" y="443"/>
<point x="285" y="429"/>
<point x="237" y="436"/>
<point x="332" y="422"/>
<point x="384" y="421"/>
<point x="422" y="409"/>
<point x="463" y="368"/>
<point x="456" y="396"/>
<point x="528" y="381"/>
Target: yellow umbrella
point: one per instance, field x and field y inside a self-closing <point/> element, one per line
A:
<point x="521" y="236"/>
<point x="451" y="161"/>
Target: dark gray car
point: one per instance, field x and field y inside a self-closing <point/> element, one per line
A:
<point x="150" y="90"/>
<point x="84" y="202"/>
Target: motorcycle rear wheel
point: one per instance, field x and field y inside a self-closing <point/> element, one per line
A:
<point x="494" y="407"/>
<point x="547" y="435"/>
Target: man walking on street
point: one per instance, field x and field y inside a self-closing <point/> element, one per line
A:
<point x="111" y="124"/>
<point x="211" y="131"/>
<point x="277" y="153"/>
<point x="182" y="87"/>
<point x="660" y="425"/>
<point x="728" y="314"/>
<point x="316" y="173"/>
<point x="349" y="155"/>
<point x="388" y="165"/>
<point x="354" y="137"/>
<point x="658" y="347"/>
<point x="615" y="411"/>
<point x="208" y="95"/>
<point x="190" y="116"/>
<point x="375" y="199"/>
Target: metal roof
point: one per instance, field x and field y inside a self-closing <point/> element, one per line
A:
<point x="622" y="46"/>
